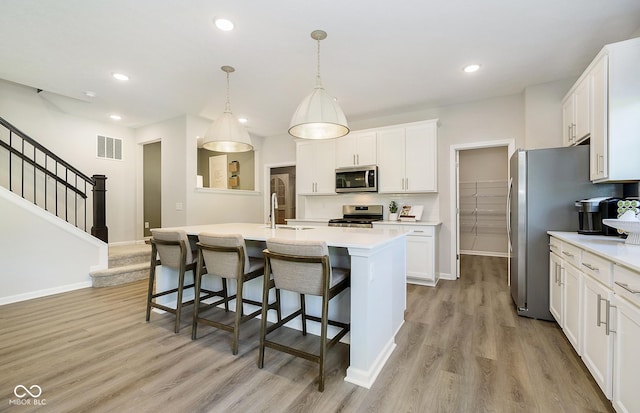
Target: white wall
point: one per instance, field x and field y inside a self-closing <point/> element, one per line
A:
<point x="74" y="140"/>
<point x="41" y="254"/>
<point x="543" y="114"/>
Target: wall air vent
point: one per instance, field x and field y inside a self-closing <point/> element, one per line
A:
<point x="109" y="148"/>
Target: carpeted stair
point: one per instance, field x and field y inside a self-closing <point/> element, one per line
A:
<point x="127" y="263"/>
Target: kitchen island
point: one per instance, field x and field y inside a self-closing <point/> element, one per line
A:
<point x="375" y="303"/>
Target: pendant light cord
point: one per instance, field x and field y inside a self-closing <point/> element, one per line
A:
<point x="227" y="107"/>
<point x="318" y="81"/>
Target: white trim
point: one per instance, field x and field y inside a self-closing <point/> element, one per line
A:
<point x="43" y="293"/>
<point x="367" y="378"/>
<point x="453" y="185"/>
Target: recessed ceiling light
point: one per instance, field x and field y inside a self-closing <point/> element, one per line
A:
<point x="471" y="68"/>
<point x="115" y="117"/>
<point x="224" y="24"/>
<point x="242" y="120"/>
<point x="120" y="76"/>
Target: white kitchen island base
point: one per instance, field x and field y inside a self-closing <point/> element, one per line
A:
<point x="375" y="303"/>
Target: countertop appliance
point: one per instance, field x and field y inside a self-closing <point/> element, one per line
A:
<point x="357" y="179"/>
<point x="543" y="189"/>
<point x="589" y="216"/>
<point x="609" y="210"/>
<point x="358" y="216"/>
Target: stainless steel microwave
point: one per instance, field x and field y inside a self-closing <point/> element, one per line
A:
<point x="357" y="179"/>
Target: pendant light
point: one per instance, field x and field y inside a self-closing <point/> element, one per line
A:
<point x="226" y="134"/>
<point x="318" y="116"/>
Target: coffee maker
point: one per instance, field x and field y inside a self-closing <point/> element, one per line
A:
<point x="589" y="216"/>
<point x="609" y="210"/>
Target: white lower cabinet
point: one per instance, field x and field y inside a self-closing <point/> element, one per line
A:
<point x="626" y="394"/>
<point x="421" y="252"/>
<point x="555" y="288"/>
<point x="572" y="306"/>
<point x="597" y="304"/>
<point x="597" y="340"/>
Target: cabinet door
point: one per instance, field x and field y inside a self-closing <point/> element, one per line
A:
<point x="599" y="167"/>
<point x="420" y="258"/>
<point x="324" y="167"/>
<point x="305" y="183"/>
<point x="391" y="161"/>
<point x="571" y="288"/>
<point x="367" y="149"/>
<point x="597" y="345"/>
<point x="315" y="171"/>
<point x="626" y="397"/>
<point x="420" y="158"/>
<point x="583" y="109"/>
<point x="567" y="121"/>
<point x="555" y="288"/>
<point x="346" y="150"/>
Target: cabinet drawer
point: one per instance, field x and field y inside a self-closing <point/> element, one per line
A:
<point x="555" y="246"/>
<point x="598" y="268"/>
<point x="571" y="254"/>
<point x="627" y="284"/>
<point x="420" y="230"/>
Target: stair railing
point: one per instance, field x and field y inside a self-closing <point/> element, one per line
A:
<point x="35" y="173"/>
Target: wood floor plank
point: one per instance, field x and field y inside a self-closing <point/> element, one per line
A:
<point x="462" y="349"/>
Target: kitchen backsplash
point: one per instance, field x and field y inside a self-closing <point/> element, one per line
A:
<point x="331" y="206"/>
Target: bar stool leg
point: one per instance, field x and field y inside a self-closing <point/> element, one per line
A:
<point x="152" y="277"/>
<point x="323" y="340"/>
<point x="179" y="300"/>
<point x="238" y="317"/>
<point x="303" y="308"/>
<point x="196" y="299"/>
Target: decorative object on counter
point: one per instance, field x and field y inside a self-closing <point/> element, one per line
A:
<point x="226" y="134"/>
<point x="393" y="211"/>
<point x="411" y="213"/>
<point x="234" y="181"/>
<point x="319" y="115"/>
<point x="627" y="222"/>
<point x="234" y="166"/>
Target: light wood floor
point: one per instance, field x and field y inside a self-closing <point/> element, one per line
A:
<point x="461" y="349"/>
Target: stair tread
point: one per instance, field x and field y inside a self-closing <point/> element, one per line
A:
<point x="122" y="269"/>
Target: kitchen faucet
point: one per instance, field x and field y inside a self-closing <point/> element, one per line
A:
<point x="274" y="206"/>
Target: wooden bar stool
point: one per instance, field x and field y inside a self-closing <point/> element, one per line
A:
<point x="225" y="256"/>
<point x="172" y="247"/>
<point x="303" y="267"/>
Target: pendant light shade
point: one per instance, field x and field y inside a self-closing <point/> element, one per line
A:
<point x="318" y="116"/>
<point x="227" y="134"/>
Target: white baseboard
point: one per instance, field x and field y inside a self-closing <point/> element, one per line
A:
<point x="44" y="293"/>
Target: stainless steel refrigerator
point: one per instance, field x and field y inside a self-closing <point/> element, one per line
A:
<point x="543" y="188"/>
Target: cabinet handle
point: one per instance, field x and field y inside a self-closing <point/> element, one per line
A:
<point x="354" y="159"/>
<point x="357" y="159"/>
<point x="608" y="324"/>
<point x="568" y="254"/>
<point x="591" y="267"/>
<point x="601" y="163"/>
<point x="626" y="287"/>
<point x="598" y="322"/>
<point x="573" y="131"/>
<point x="406" y="183"/>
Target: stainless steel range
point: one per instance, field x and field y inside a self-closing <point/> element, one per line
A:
<point x="358" y="216"/>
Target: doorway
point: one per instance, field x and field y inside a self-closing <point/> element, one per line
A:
<point x="152" y="187"/>
<point x="282" y="181"/>
<point x="478" y="219"/>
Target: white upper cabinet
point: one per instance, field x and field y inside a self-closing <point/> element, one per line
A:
<point x="576" y="113"/>
<point x="407" y="158"/>
<point x="613" y="93"/>
<point x="357" y="148"/>
<point x="315" y="168"/>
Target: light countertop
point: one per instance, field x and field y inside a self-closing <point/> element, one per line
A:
<point x="428" y="223"/>
<point x="611" y="248"/>
<point x="367" y="238"/>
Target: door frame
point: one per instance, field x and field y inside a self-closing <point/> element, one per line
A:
<point x="454" y="213"/>
<point x="266" y="184"/>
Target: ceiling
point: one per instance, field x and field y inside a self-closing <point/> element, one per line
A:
<point x="379" y="59"/>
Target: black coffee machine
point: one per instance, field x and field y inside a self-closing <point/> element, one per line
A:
<point x="609" y="210"/>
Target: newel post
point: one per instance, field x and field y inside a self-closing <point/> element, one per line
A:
<point x="99" y="228"/>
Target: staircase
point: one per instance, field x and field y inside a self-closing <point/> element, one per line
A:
<point x="127" y="263"/>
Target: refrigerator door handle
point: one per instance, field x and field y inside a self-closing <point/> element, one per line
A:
<point x="509" y="194"/>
